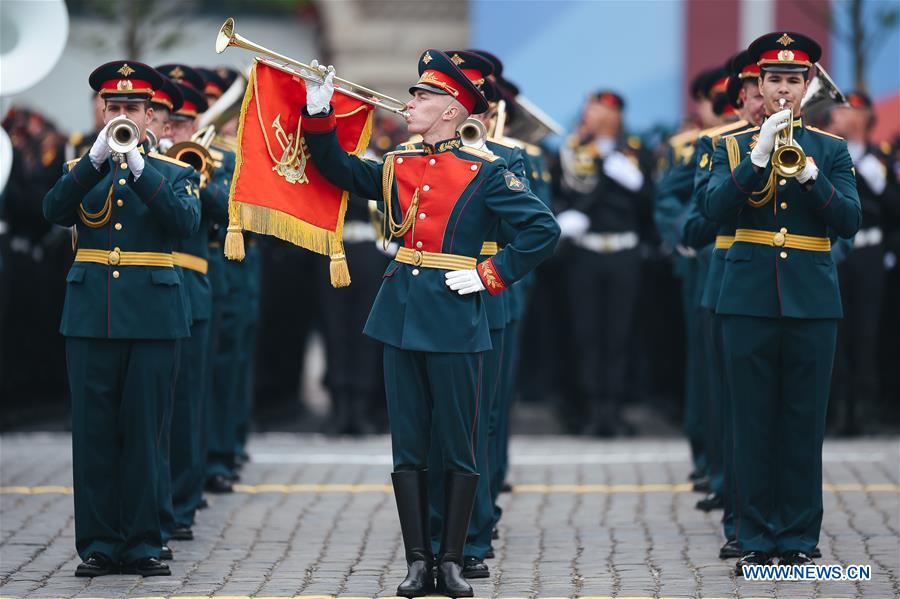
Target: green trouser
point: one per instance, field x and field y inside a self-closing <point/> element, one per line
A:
<point x="499" y="426"/>
<point x="481" y="523"/>
<point x="187" y="457"/>
<point x="119" y="390"/>
<point x="779" y="370"/>
<point x="427" y="387"/>
<point x="727" y="424"/>
<point x="226" y="371"/>
<point x="693" y="384"/>
<point x="714" y="398"/>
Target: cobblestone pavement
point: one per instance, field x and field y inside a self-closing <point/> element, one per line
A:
<point x="315" y="517"/>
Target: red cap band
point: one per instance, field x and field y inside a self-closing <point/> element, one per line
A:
<point x="751" y="70"/>
<point x="126" y="86"/>
<point x="784" y="57"/>
<point x="212" y="89"/>
<point x="188" y="109"/>
<point x="161" y="97"/>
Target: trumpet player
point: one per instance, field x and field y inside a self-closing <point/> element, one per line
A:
<point x="123" y="316"/>
<point x="779" y="302"/>
<point x="441" y="200"/>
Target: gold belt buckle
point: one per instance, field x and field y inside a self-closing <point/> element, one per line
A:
<point x="778" y="239"/>
<point x="114" y="257"/>
<point x="417" y="258"/>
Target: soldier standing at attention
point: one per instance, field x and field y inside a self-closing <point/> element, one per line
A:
<point x="780" y="305"/>
<point x="123" y="315"/>
<point x="441" y="200"/>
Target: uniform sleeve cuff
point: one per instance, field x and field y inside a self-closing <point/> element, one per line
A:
<point x="319" y="123"/>
<point x="491" y="279"/>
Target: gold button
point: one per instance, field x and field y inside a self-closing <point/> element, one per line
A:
<point x="399" y="161"/>
<point x="114" y="257"/>
<point x="778" y="239"/>
<point x="419" y="244"/>
<point x="432" y="162"/>
<point x="415" y="272"/>
<point x="121" y="181"/>
<point x="474" y="167"/>
<point x="783" y="254"/>
<point x="120" y="202"/>
<point x="118" y="226"/>
<point x="124" y="166"/>
<point x="421" y="216"/>
<point x="783" y="182"/>
<point x="784" y="205"/>
<point x="783" y="229"/>
<point x="115" y="274"/>
<point x="426" y="187"/>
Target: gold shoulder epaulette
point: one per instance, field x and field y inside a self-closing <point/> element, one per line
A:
<point x="506" y="142"/>
<point x="716" y="135"/>
<point x="159" y="156"/>
<point x="76" y="137"/>
<point x="885" y="148"/>
<point x="533" y="150"/>
<point x="735" y="134"/>
<point x="817" y="130"/>
<point x="409" y="145"/>
<point x="634" y="142"/>
<point x="409" y="151"/>
<point x="479" y="153"/>
<point x="71" y="163"/>
<point x="685" y="137"/>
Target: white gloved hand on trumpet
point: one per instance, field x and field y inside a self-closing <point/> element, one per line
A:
<point x="318" y="95"/>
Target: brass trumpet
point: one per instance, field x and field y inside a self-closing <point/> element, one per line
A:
<point x="196" y="153"/>
<point x="472" y="133"/>
<point x="123" y="135"/>
<point x="788" y="159"/>
<point x="227" y="37"/>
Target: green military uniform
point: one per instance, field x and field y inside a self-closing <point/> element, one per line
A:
<point x="434" y="338"/>
<point x="123" y="313"/>
<point x="779" y="304"/>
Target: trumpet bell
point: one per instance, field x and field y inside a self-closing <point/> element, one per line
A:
<point x="472" y="133"/>
<point x="123" y="136"/>
<point x="192" y="153"/>
<point x="788" y="160"/>
<point x="225" y="35"/>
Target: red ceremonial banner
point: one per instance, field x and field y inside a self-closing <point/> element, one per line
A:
<point x="277" y="189"/>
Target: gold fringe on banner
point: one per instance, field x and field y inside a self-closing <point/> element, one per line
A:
<point x="243" y="216"/>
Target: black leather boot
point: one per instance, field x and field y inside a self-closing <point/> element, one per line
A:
<point x="459" y="497"/>
<point x="411" y="493"/>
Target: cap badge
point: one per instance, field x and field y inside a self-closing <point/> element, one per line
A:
<point x="176" y="73"/>
<point x="457" y="59"/>
<point x="125" y="70"/>
<point x="426" y="58"/>
<point x="785" y="40"/>
<point x="785" y="56"/>
<point x="124" y="85"/>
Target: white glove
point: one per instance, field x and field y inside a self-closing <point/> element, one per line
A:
<point x="766" y="142"/>
<point x="464" y="281"/>
<point x="623" y="171"/>
<point x="318" y="95"/>
<point x="390" y="251"/>
<point x="164" y="144"/>
<point x="573" y="223"/>
<point x="809" y="172"/>
<point x="100" y="150"/>
<point x="874" y="172"/>
<point x="604" y="145"/>
<point x="135" y="162"/>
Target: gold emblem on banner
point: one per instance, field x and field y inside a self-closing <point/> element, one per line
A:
<point x="785" y="40"/>
<point x="292" y="165"/>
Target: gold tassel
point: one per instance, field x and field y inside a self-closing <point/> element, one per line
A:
<point x="340" y="273"/>
<point x="234" y="243"/>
